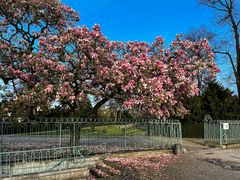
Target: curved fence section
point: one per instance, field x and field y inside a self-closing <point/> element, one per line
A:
<point x="63" y="143"/>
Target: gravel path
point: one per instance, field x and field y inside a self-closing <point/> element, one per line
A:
<point x="200" y="163"/>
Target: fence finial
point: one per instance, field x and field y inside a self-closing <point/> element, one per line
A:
<point x="208" y="118"/>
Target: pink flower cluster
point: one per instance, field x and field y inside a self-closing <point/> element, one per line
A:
<point x="155" y="162"/>
<point x="100" y="173"/>
<point x="110" y="169"/>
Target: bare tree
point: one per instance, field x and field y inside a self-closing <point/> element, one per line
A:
<point x="228" y="13"/>
<point x="196" y="34"/>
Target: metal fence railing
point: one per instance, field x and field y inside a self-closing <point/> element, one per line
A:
<point x="222" y="132"/>
<point x="49" y="144"/>
<point x="41" y="160"/>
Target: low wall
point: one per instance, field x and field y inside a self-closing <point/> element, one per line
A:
<point x="223" y="146"/>
<point x="80" y="173"/>
<point x="76" y="169"/>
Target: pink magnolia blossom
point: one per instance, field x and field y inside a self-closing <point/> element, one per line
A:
<point x="48" y="89"/>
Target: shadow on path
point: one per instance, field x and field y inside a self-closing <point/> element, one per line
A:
<point x="200" y="162"/>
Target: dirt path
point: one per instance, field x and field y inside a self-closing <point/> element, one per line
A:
<point x="202" y="163"/>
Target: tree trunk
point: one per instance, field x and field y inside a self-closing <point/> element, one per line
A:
<point x="98" y="105"/>
<point x="75" y="130"/>
<point x="237" y="46"/>
<point x="149" y="129"/>
<point x="238" y="82"/>
<point x="238" y="63"/>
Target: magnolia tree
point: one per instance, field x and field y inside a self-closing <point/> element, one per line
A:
<point x="51" y="62"/>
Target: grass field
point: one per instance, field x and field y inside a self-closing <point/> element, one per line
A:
<point x="110" y="130"/>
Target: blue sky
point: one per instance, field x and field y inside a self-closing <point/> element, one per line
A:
<point x="142" y="20"/>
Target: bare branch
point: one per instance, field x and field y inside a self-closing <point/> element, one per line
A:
<point x="214" y="7"/>
<point x="226" y="5"/>
<point x="238" y="22"/>
<point x="231" y="60"/>
<point x="223" y="19"/>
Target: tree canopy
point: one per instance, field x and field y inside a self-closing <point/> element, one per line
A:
<point x="47" y="61"/>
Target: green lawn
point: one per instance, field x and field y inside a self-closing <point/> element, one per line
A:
<point x="110" y="130"/>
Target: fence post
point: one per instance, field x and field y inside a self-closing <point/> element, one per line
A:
<point x="74" y="134"/>
<point x="204" y="131"/>
<point x="180" y="132"/>
<point x="60" y="134"/>
<point x="225" y="136"/>
<point x="125" y="136"/>
<point x="221" y="134"/>
<point x="171" y="129"/>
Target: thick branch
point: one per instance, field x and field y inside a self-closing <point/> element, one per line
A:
<point x="98" y="105"/>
